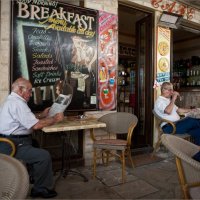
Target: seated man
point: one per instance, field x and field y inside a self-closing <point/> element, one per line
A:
<point x="17" y="123"/>
<point x="165" y="107"/>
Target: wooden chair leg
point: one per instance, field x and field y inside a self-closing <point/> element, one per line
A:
<point x="123" y="166"/>
<point x="107" y="156"/>
<point x="94" y="162"/>
<point x="130" y="157"/>
<point x="182" y="180"/>
<point x="156" y="147"/>
<point x="102" y="157"/>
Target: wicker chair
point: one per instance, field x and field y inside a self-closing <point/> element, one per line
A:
<point x="117" y="123"/>
<point x="14" y="178"/>
<point x="159" y="121"/>
<point x="188" y="168"/>
<point x="10" y="143"/>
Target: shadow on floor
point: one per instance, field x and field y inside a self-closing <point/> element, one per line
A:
<point x="152" y="178"/>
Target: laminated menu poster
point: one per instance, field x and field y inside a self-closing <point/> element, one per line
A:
<point x="60" y="104"/>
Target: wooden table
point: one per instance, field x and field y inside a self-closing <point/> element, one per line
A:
<point x="68" y="125"/>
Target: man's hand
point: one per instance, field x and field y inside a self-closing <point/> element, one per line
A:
<point x="45" y="112"/>
<point x="48" y="121"/>
<point x="175" y="95"/>
<point x="58" y="117"/>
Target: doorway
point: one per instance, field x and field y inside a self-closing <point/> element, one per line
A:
<point x="135" y="71"/>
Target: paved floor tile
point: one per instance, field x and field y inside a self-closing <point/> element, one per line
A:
<point x="135" y="189"/>
<point x="114" y="177"/>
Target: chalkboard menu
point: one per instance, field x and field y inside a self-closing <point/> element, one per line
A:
<point x="42" y="60"/>
<point x="52" y="41"/>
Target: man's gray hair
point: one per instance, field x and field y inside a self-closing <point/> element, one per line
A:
<point x="164" y="85"/>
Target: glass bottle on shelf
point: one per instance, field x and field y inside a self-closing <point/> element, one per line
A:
<point x="186" y="72"/>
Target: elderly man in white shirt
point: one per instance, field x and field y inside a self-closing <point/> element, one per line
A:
<point x="165" y="107"/>
<point x="17" y="123"/>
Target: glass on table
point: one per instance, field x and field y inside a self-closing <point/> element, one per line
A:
<point x="181" y="98"/>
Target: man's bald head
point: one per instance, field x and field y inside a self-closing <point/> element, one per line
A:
<point x="23" y="88"/>
<point x="20" y="82"/>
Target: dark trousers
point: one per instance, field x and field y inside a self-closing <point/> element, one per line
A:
<point x="38" y="159"/>
<point x="188" y="125"/>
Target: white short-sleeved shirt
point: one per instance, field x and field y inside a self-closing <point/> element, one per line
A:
<point x="159" y="107"/>
<point x="16" y="117"/>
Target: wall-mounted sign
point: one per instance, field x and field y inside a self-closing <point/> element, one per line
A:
<point x="172" y="6"/>
<point x="54" y="41"/>
<point x="107" y="62"/>
<point x="163" y="54"/>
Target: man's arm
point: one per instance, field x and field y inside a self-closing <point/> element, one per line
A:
<point x="48" y="121"/>
<point x="169" y="108"/>
<point x="183" y="110"/>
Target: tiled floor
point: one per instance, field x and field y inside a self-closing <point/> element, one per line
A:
<point x="153" y="181"/>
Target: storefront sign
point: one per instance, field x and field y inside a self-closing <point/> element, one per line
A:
<point x="174" y="7"/>
<point x="163" y="54"/>
<point x="51" y="39"/>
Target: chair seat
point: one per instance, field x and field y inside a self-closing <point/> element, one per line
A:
<point x="111" y="144"/>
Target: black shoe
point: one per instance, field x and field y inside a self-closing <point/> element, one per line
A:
<point x="43" y="192"/>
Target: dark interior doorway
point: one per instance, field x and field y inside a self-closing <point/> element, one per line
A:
<point x="135" y="71"/>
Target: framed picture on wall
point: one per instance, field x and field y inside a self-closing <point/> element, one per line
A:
<point x="52" y="41"/>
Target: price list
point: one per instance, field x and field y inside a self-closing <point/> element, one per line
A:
<point x="43" y="56"/>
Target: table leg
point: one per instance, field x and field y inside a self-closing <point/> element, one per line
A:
<point x="66" y="157"/>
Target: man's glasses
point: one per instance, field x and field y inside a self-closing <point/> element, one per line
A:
<point x="29" y="90"/>
<point x="168" y="89"/>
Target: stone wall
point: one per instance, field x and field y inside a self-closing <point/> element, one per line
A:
<point x="4" y="49"/>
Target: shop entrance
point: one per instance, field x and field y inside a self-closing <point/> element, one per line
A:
<point x="135" y="91"/>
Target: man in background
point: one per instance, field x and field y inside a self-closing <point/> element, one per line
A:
<point x="166" y="108"/>
<point x="17" y="123"/>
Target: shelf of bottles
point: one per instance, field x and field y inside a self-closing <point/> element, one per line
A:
<point x="186" y="72"/>
<point x="126" y="81"/>
<point x="126" y="75"/>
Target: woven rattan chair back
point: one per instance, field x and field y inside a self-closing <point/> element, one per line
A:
<point x="159" y="121"/>
<point x="119" y="123"/>
<point x="14" y="178"/>
<point x="10" y="144"/>
<point x="188" y="168"/>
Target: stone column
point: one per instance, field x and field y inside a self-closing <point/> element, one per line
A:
<point x="4" y="49"/>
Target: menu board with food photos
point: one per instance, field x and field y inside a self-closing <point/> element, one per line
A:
<point x="53" y="41"/>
